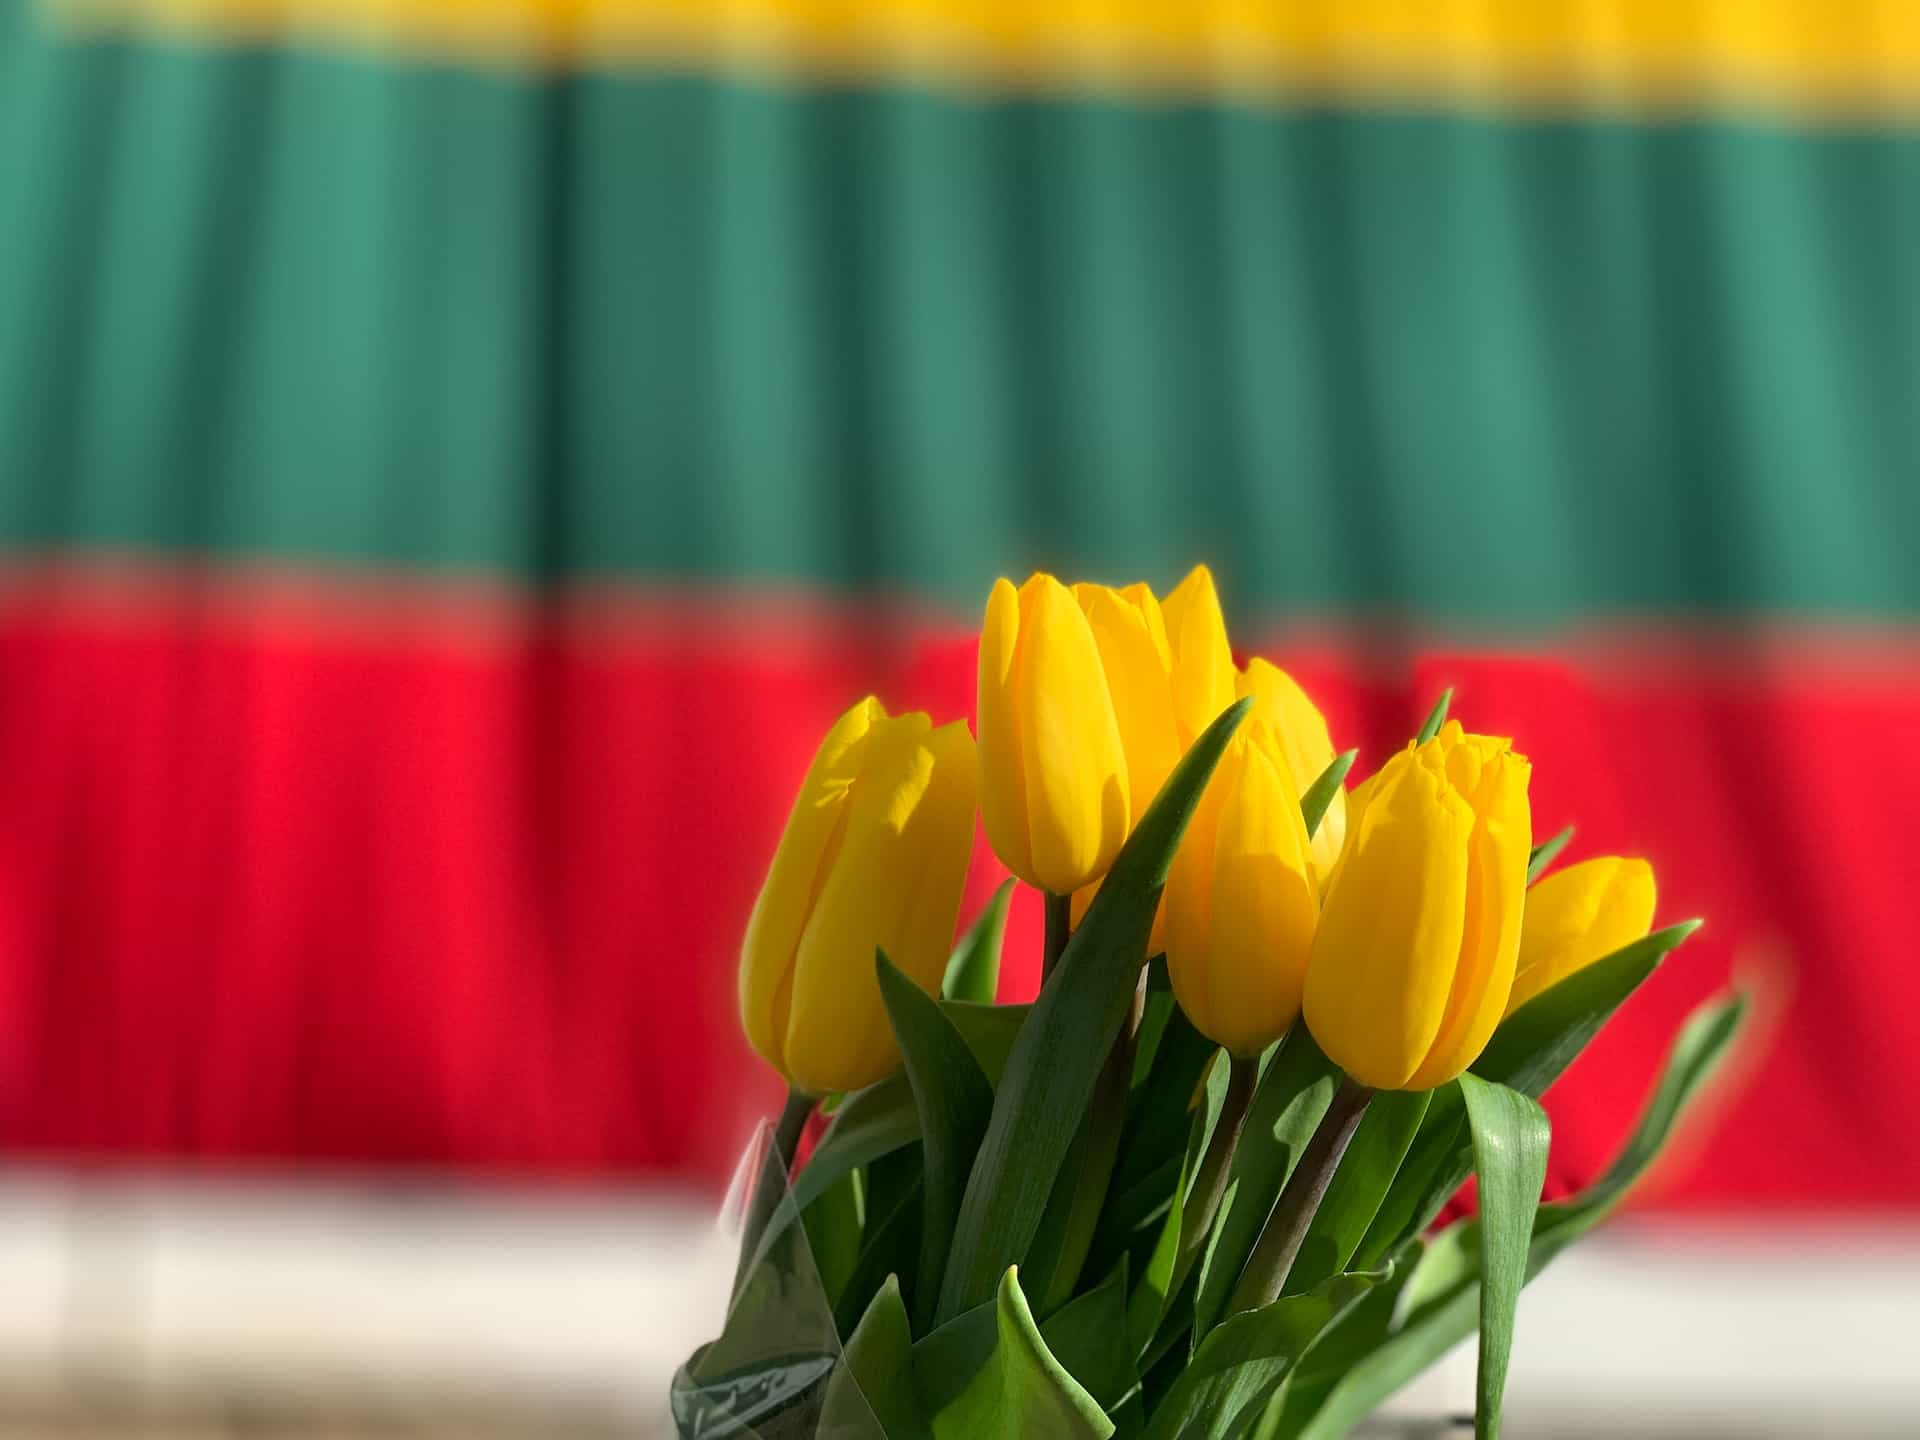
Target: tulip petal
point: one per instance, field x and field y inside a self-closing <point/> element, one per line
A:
<point x="1490" y="940"/>
<point x="1187" y="902"/>
<point x="1578" y="915"/>
<point x="1131" y="638"/>
<point x="1307" y="744"/>
<point x="1203" y="673"/>
<point x="814" y="833"/>
<point x="1003" y="782"/>
<point x="1383" y="959"/>
<point x="1075" y="766"/>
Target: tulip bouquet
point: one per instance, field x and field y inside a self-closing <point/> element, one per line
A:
<point x="1189" y="1190"/>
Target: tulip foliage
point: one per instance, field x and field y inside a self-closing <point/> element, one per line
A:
<point x="1190" y="1189"/>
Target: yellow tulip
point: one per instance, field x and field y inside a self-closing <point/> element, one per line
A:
<point x="1278" y="698"/>
<point x="874" y="855"/>
<point x="1577" y="915"/>
<point x="1202" y="661"/>
<point x="1420" y="932"/>
<point x="1053" y="769"/>
<point x="1241" y="899"/>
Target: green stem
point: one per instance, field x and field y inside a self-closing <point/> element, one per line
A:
<point x="770" y="1186"/>
<point x="1210" y="1180"/>
<point x="1286" y="1229"/>
<point x="1059" y="928"/>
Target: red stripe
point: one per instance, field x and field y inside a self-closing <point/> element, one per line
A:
<point x="461" y="886"/>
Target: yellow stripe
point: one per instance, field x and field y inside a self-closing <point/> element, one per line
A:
<point x="1832" y="55"/>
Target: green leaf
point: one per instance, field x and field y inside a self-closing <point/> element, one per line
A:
<point x="1435" y="1166"/>
<point x="1082" y="1337"/>
<point x="1021" y="1389"/>
<point x="1510" y="1137"/>
<point x="1436" y="717"/>
<point x="1066" y="1234"/>
<point x="1157" y="1128"/>
<point x="1292" y="1096"/>
<point x="1537" y="1042"/>
<point x="1243" y="1360"/>
<point x="1365" y="1175"/>
<point x="973" y="970"/>
<point x="1545" y="852"/>
<point x="1156" y="1009"/>
<point x="954" y="1100"/>
<point x="890" y="1248"/>
<point x="834" y="1223"/>
<point x="1149" y="1299"/>
<point x="1439" y="1301"/>
<point x="1313" y="804"/>
<point x="989" y="1031"/>
<point x="1056" y="1061"/>
<point x="870" y="1393"/>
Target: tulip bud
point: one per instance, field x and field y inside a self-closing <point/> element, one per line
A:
<point x="874" y="855"/>
<point x="1241" y="899"/>
<point x="1053" y="770"/>
<point x="1578" y="915"/>
<point x="1308" y="744"/>
<point x="1203" y="674"/>
<point x="1420" y="933"/>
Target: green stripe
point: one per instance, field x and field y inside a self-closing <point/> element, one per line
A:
<point x="1497" y="371"/>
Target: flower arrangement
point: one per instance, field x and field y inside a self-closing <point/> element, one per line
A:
<point x="1189" y="1190"/>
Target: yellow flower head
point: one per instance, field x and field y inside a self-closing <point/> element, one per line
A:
<point x="874" y="856"/>
<point x="1054" y="789"/>
<point x="1420" y="932"/>
<point x="1241" y="899"/>
<point x="1578" y="915"/>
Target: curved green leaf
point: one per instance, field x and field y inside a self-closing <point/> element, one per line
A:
<point x="1083" y="1337"/>
<point x="889" y="1249"/>
<point x="1056" y="1061"/>
<point x="1510" y="1137"/>
<point x="1065" y="1235"/>
<point x="834" y="1224"/>
<point x="973" y="970"/>
<point x="1536" y="1043"/>
<point x="1313" y="804"/>
<point x="954" y="1101"/>
<point x="1021" y="1389"/>
<point x="1544" y="853"/>
<point x="1436" y="717"/>
<point x="870" y="1393"/>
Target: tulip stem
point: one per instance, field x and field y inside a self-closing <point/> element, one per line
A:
<point x="1286" y="1229"/>
<point x="1210" y="1180"/>
<point x="770" y="1187"/>
<point x="1059" y="929"/>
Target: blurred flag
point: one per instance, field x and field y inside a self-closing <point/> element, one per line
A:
<point x="455" y="459"/>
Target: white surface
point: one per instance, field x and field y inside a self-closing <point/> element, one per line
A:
<point x="587" y="1303"/>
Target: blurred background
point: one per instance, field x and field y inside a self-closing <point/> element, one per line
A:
<point x="456" y="458"/>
